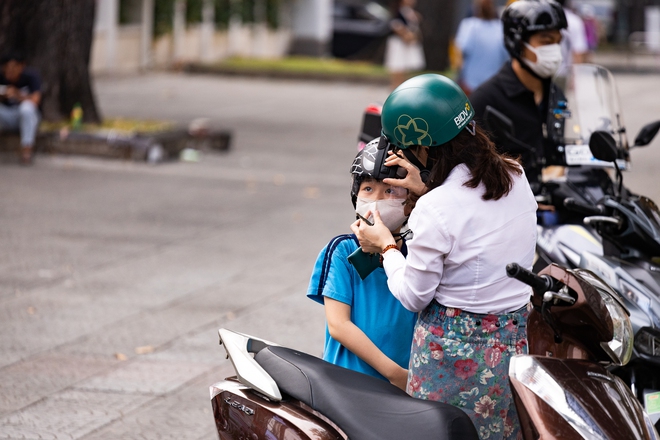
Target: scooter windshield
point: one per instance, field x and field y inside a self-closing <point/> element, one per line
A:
<point x="590" y="102"/>
<point x="650" y="209"/>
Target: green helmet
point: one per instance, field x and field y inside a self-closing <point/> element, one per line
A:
<point x="427" y="110"/>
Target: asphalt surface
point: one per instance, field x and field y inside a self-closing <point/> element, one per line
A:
<point x="115" y="276"/>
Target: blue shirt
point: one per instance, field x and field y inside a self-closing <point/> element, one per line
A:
<point x="482" y="45"/>
<point x="373" y="308"/>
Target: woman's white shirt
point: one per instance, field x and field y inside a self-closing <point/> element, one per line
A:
<point x="461" y="245"/>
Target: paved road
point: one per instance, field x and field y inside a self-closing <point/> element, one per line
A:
<point x="114" y="277"/>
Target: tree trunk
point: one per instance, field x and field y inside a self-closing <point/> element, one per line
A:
<point x="437" y="29"/>
<point x="56" y="38"/>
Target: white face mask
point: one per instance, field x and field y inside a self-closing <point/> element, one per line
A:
<point x="391" y="211"/>
<point x="548" y="59"/>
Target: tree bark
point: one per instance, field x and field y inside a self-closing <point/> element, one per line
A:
<point x="56" y="38"/>
<point x="437" y="28"/>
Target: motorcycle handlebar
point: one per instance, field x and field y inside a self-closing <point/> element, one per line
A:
<point x="540" y="283"/>
<point x="573" y="205"/>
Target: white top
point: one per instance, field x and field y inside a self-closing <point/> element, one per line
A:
<point x="461" y="245"/>
<point x="574" y="40"/>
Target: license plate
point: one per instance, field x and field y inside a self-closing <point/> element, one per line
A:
<point x="581" y="155"/>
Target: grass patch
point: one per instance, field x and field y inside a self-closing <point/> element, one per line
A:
<point x="326" y="66"/>
<point x="120" y="125"/>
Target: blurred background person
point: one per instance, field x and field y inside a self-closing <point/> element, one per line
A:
<point x="404" y="52"/>
<point x="480" y="43"/>
<point x="20" y="95"/>
<point x="588" y="15"/>
<point x="574" y="45"/>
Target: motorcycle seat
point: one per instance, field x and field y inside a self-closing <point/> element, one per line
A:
<point x="363" y="406"/>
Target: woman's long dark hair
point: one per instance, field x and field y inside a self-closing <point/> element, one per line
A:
<point x="478" y="153"/>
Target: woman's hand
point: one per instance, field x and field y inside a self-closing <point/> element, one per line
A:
<point x="412" y="182"/>
<point x="372" y="238"/>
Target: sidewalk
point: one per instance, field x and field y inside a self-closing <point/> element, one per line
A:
<point x="115" y="276"/>
<point x="628" y="62"/>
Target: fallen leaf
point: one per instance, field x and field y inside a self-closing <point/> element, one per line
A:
<point x="31" y="310"/>
<point x="312" y="192"/>
<point x="144" y="349"/>
<point x="121" y="356"/>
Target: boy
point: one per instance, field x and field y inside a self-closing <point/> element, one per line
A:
<point x="367" y="329"/>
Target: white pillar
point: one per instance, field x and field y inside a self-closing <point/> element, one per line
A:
<point x="236" y="34"/>
<point x="147" y="33"/>
<point x="112" y="35"/>
<point x="652" y="28"/>
<point x="179" y="29"/>
<point x="312" y="27"/>
<point x="207" y="31"/>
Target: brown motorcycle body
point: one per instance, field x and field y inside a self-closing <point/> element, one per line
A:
<point x="573" y="361"/>
<point x="240" y="413"/>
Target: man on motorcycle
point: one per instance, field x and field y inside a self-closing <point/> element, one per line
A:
<point x="520" y="90"/>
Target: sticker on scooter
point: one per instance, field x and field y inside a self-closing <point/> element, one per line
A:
<point x="652" y="402"/>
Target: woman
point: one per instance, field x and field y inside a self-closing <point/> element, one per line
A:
<point x="404" y="52"/>
<point x="480" y="40"/>
<point x="474" y="214"/>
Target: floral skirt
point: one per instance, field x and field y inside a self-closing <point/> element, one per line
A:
<point x="462" y="358"/>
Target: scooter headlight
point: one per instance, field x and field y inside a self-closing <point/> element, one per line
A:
<point x="621" y="346"/>
<point x="534" y="376"/>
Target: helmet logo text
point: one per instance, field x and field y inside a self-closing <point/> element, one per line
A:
<point x="412" y="131"/>
<point x="462" y="116"/>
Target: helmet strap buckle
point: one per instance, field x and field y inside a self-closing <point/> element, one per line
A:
<point x="472" y="127"/>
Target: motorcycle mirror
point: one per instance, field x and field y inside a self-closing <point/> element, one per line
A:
<point x="647" y="133"/>
<point x="499" y="124"/>
<point x="603" y="146"/>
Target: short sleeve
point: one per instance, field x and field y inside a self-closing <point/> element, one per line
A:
<point x="33" y="81"/>
<point x="333" y="274"/>
<point x="462" y="34"/>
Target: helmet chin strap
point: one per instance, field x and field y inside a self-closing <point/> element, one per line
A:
<point x="525" y="66"/>
<point x="424" y="172"/>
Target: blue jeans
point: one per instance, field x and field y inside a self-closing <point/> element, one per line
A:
<point x="24" y="118"/>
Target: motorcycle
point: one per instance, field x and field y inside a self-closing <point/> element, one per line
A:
<point x="561" y="390"/>
<point x="281" y="393"/>
<point x="594" y="222"/>
<point x="629" y="226"/>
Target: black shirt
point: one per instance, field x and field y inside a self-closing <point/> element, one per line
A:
<point x="28" y="82"/>
<point x="506" y="93"/>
